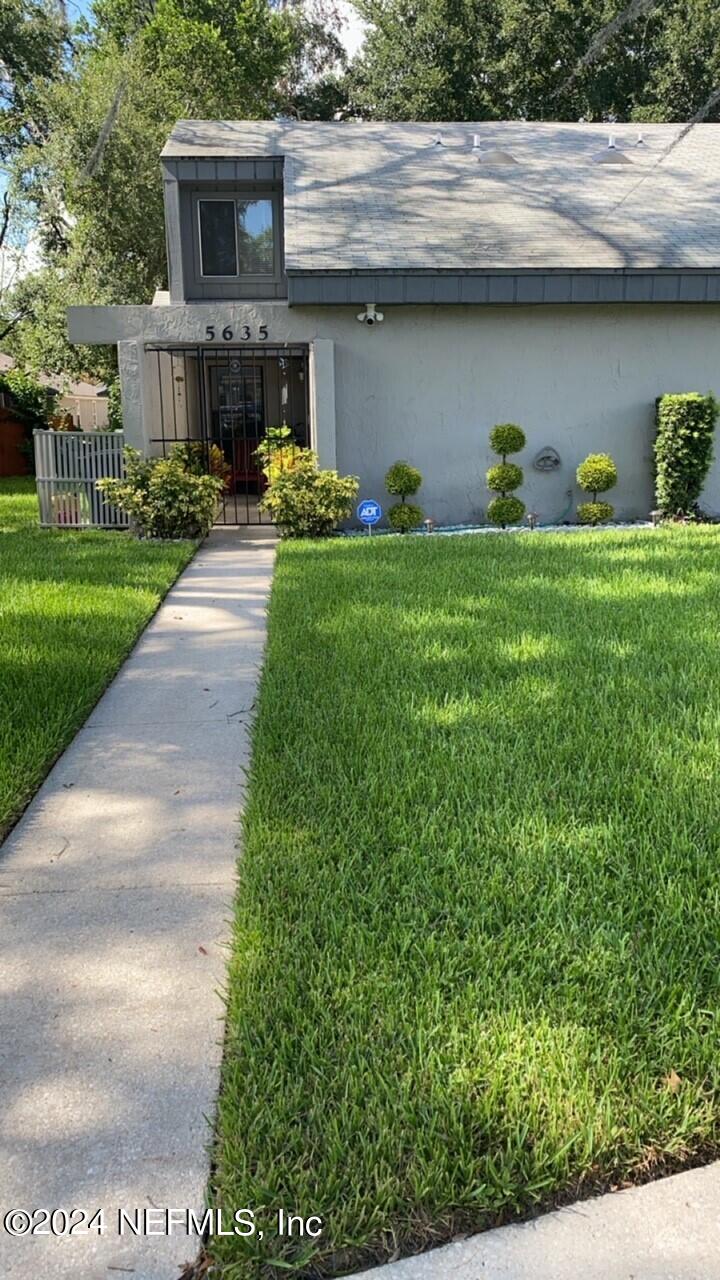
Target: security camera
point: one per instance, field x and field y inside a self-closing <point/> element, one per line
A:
<point x="370" y="316"/>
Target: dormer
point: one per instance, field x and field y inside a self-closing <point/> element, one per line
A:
<point x="224" y="227"/>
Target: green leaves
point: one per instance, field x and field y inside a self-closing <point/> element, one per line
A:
<point x="306" y="502"/>
<point x="505" y="511"/>
<point x="597" y="473"/>
<point x="504" y="477"/>
<point x="402" y="480"/>
<point x="166" y="497"/>
<point x="404" y="516"/>
<point x="508" y="59"/>
<point x="683" y="450"/>
<point x="505" y="438"/>
<point x="595" y="512"/>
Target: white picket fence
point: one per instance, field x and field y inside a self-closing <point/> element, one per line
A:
<point x="67" y="466"/>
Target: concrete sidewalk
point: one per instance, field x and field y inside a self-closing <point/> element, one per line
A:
<point x="667" y="1230"/>
<point x="115" y="895"/>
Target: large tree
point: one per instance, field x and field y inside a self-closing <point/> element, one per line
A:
<point x="33" y="41"/>
<point x="514" y="59"/>
<point x="93" y="180"/>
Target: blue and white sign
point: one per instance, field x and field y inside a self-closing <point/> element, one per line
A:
<point x="369" y="512"/>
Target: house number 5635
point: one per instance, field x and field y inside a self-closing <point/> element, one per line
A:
<point x="244" y="333"/>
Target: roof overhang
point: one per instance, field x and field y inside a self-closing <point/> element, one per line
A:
<point x="502" y="287"/>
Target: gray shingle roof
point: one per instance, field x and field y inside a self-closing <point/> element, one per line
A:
<point x="381" y="197"/>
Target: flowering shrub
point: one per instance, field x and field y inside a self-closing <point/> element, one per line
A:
<point x="305" y="502"/>
<point x="163" y="497"/>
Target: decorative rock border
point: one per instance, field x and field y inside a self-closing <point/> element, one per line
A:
<point x="454" y="530"/>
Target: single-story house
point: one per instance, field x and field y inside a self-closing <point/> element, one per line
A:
<point x="394" y="290"/>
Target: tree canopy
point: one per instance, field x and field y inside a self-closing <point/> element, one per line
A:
<point x="90" y="179"/>
<point x="515" y="59"/>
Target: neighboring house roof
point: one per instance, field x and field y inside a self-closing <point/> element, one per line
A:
<point x="62" y="385"/>
<point x="370" y="197"/>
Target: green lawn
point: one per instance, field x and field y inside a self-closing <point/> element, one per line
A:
<point x="71" y="607"/>
<point x="476" y="964"/>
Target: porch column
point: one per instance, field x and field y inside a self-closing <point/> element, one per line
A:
<point x="131" y="367"/>
<point x="322" y="401"/>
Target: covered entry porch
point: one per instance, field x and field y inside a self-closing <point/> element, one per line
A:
<point x="225" y="398"/>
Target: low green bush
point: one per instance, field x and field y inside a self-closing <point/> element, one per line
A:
<point x="305" y="502"/>
<point x="595" y="512"/>
<point x="504" y="511"/>
<point x="163" y="497"/>
<point x="683" y="450"/>
<point x="405" y="516"/>
<point x="595" y="475"/>
<point x="507" y="438"/>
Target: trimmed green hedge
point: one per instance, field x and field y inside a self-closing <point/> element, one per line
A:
<point x="683" y="450"/>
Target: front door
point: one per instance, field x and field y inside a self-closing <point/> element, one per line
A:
<point x="228" y="397"/>
<point x="251" y="389"/>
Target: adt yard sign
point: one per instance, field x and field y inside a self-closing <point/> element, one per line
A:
<point x="369" y="512"/>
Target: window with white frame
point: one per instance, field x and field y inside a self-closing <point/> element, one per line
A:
<point x="238" y="236"/>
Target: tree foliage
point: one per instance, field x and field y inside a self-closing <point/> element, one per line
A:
<point x="92" y="181"/>
<point x="33" y="34"/>
<point x="683" y="450"/>
<point x="515" y="59"/>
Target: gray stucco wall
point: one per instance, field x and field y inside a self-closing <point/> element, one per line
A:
<point x="429" y="382"/>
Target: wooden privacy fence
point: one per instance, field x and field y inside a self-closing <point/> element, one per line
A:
<point x="68" y="465"/>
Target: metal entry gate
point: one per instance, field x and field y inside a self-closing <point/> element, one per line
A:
<point x="223" y="400"/>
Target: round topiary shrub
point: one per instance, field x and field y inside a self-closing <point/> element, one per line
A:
<point x="596" y="474"/>
<point x="504" y="511"/>
<point x="402" y="480"/>
<point x="507" y="438"/>
<point x="405" y="516"/>
<point x="505" y="476"/>
<point x="595" y="512"/>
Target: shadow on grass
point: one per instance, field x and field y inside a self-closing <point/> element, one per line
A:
<point x="476" y="928"/>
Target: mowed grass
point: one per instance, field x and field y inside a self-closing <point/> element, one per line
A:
<point x="72" y="605"/>
<point x="476" y="963"/>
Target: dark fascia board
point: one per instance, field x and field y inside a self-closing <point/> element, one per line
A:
<point x="502" y="288"/>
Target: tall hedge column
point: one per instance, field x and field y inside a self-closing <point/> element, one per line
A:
<point x="683" y="450"/>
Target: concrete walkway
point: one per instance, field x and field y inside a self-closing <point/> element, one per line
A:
<point x="667" y="1230"/>
<point x="115" y="897"/>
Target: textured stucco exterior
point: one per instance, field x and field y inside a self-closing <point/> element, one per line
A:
<point x="429" y="382"/>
